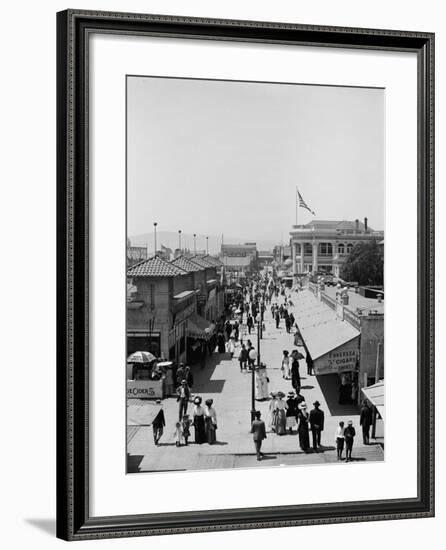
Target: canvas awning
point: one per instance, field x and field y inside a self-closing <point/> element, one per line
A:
<point x="375" y="394"/>
<point x="199" y="327"/>
<point x="320" y="327"/>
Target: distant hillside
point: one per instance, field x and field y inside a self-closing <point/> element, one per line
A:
<point x="170" y="240"/>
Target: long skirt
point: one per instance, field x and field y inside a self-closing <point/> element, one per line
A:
<point x="210" y="430"/>
<point x="304" y="438"/>
<point x="281" y="422"/>
<point x="200" y="432"/>
<point x="273" y="420"/>
<point x="290" y="421"/>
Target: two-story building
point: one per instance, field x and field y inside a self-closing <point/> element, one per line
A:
<point x="239" y="260"/>
<point x="323" y="245"/>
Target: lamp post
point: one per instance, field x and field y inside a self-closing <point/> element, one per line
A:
<point x="207" y="245"/>
<point x="195" y="244"/>
<point x="179" y="240"/>
<point x="154" y="226"/>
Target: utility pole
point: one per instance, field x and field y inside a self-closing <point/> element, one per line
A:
<point x="195" y="244"/>
<point x="207" y="245"/>
<point x="154" y="225"/>
<point x="179" y="240"/>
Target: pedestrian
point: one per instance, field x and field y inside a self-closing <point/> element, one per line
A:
<point x="228" y="329"/>
<point x="280" y="417"/>
<point x="169" y="386"/>
<point x="188" y="377"/>
<point x="230" y="346"/>
<point x="178" y="434"/>
<point x="258" y="433"/>
<point x="349" y="436"/>
<point x="285" y="365"/>
<point x="185" y="426"/>
<point x="309" y="362"/>
<point x="261" y="383"/>
<point x="365" y="420"/>
<point x="210" y="421"/>
<point x="198" y="420"/>
<point x="339" y="439"/>
<point x="243" y="358"/>
<point x="250" y="323"/>
<point x="292" y="319"/>
<point x="158" y="422"/>
<point x="252" y="356"/>
<point x="221" y="343"/>
<point x="183" y="394"/>
<point x="277" y="317"/>
<point x="302" y="427"/>
<point x="295" y="375"/>
<point x="288" y="324"/>
<point x="180" y="374"/>
<point x="316" y="424"/>
<point x="272" y="411"/>
<point x="291" y="411"/>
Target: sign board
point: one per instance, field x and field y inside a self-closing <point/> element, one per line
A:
<point x="341" y="359"/>
<point x="144" y="389"/>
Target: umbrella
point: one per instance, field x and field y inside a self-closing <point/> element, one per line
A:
<point x="141" y="357"/>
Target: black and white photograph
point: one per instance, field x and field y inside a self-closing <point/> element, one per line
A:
<point x="254" y="274"/>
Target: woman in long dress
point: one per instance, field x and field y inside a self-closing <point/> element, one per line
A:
<point x="261" y="383"/>
<point x="210" y="421"/>
<point x="272" y="412"/>
<point x="286" y="365"/>
<point x="198" y="420"/>
<point x="281" y="407"/>
<point x="302" y="427"/>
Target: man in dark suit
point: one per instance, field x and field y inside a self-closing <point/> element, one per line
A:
<point x="158" y="423"/>
<point x="365" y="420"/>
<point x="316" y="424"/>
<point x="258" y="431"/>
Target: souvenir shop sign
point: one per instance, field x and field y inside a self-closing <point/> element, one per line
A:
<point x="341" y="359"/>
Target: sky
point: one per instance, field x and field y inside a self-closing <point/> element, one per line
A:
<point x="225" y="157"/>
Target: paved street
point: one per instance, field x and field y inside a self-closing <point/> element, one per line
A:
<point x="230" y="389"/>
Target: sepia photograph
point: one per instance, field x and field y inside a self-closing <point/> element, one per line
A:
<point x="254" y="274"/>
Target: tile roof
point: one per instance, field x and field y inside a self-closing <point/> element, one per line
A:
<point x="213" y="260"/>
<point x="201" y="262"/>
<point x="186" y="264"/>
<point x="155" y="267"/>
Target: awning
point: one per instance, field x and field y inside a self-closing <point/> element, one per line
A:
<point x="199" y="327"/>
<point x="375" y="394"/>
<point x="320" y="327"/>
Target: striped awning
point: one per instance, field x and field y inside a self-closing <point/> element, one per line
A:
<point x="199" y="327"/>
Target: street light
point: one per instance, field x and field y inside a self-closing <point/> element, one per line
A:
<point x="195" y="243"/>
<point x="207" y="245"/>
<point x="154" y="225"/>
<point x="179" y="240"/>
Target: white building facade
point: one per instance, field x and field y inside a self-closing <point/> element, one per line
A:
<point x="323" y="245"/>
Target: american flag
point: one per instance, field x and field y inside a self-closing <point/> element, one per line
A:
<point x="302" y="203"/>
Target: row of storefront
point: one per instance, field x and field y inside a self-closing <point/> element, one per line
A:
<point x="172" y="306"/>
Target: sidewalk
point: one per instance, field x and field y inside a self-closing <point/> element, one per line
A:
<point x="230" y="389"/>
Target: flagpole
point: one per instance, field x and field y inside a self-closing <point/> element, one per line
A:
<point x="297" y="203"/>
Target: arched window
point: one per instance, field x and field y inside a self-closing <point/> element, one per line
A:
<point x="325" y="249"/>
<point x="341" y="248"/>
<point x="308" y="248"/>
<point x="349" y="248"/>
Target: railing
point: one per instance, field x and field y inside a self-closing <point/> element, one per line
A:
<point x="328" y="300"/>
<point x="352" y="318"/>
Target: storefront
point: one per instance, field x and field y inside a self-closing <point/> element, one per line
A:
<point x="375" y="396"/>
<point x="199" y="332"/>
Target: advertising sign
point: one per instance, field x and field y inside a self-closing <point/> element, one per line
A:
<point x="341" y="359"/>
<point x="144" y="389"/>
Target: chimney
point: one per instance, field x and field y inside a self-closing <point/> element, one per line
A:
<point x="365" y="225"/>
<point x="356" y="226"/>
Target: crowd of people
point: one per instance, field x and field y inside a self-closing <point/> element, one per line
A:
<point x="288" y="413"/>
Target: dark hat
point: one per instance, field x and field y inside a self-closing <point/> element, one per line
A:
<point x="209" y="402"/>
<point x="158" y="401"/>
<point x="280" y="394"/>
<point x="291" y="393"/>
<point x="316" y="403"/>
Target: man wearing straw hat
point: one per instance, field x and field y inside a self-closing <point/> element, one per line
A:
<point x="316" y="424"/>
